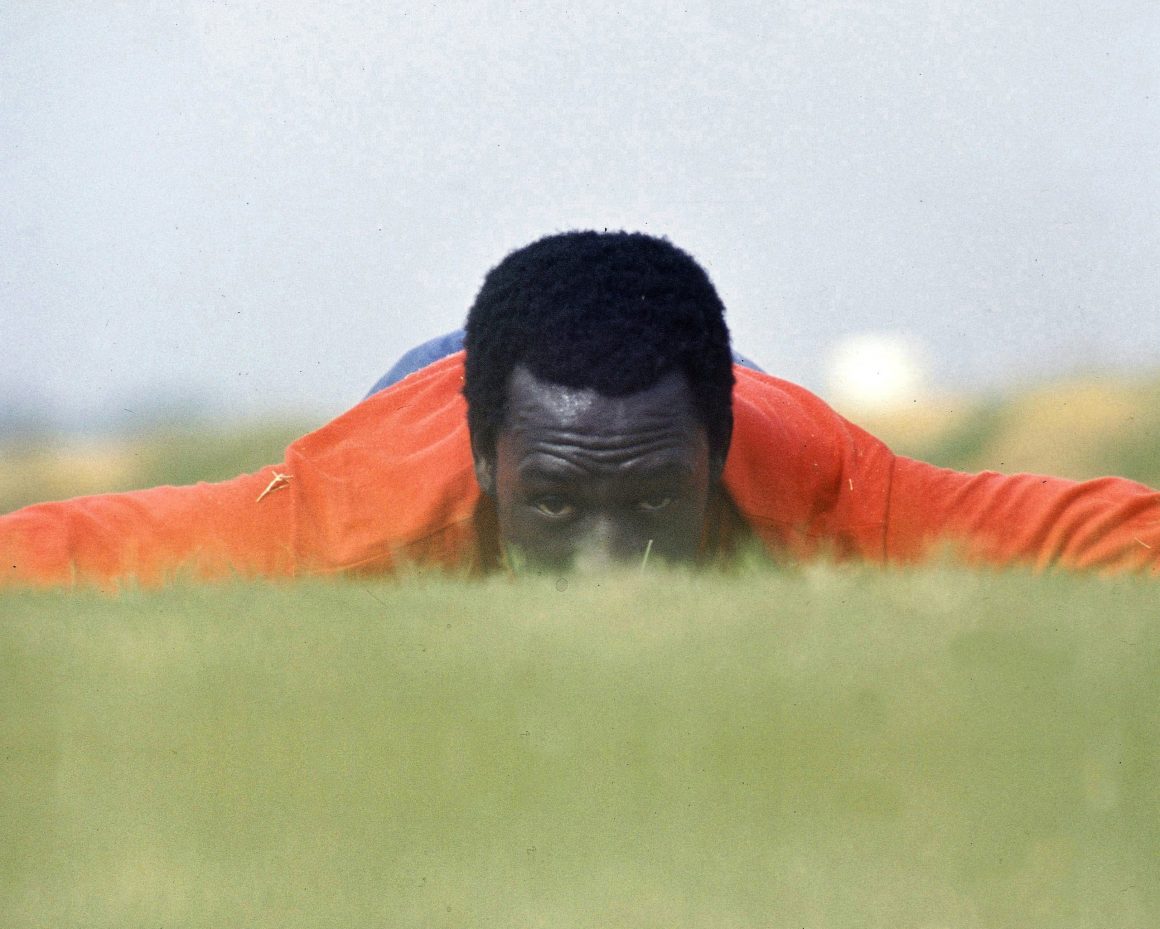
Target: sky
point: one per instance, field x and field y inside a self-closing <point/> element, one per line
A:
<point x="257" y="207"/>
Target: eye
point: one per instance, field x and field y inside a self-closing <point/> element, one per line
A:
<point x="554" y="507"/>
<point x="656" y="502"/>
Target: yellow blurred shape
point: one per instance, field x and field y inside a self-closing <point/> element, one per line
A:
<point x="916" y="425"/>
<point x="1067" y="428"/>
<point x="57" y="471"/>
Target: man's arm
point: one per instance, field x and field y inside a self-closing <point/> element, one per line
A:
<point x="152" y="536"/>
<point x="1110" y="524"/>
<point x="390" y="481"/>
<point x="809" y="482"/>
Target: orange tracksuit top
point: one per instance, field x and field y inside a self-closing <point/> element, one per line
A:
<point x="391" y="482"/>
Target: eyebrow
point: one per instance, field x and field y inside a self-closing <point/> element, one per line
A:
<point x="551" y="471"/>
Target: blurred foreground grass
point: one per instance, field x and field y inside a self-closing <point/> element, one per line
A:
<point x="823" y="748"/>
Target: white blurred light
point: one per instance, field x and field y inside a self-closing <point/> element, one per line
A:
<point x="876" y="371"/>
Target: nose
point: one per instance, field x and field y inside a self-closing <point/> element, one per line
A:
<point x="606" y="545"/>
<point x="592" y="560"/>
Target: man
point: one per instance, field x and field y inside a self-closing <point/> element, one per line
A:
<point x="596" y="416"/>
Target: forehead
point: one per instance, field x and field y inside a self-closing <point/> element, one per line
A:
<point x="538" y="408"/>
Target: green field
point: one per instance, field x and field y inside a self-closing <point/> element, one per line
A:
<point x="822" y="747"/>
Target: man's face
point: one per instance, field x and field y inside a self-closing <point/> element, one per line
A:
<point x="584" y="481"/>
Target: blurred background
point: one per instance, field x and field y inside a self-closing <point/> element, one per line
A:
<point x="223" y="213"/>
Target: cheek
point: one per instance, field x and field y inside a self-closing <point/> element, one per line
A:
<point x="505" y="490"/>
<point x="680" y="537"/>
<point x="508" y="517"/>
<point x="519" y="525"/>
<point x="538" y="543"/>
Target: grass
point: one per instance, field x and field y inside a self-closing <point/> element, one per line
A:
<point x="825" y="748"/>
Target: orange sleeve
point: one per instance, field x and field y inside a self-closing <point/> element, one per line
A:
<point x="1109" y="525"/>
<point x="151" y="536"/>
<point x="809" y="482"/>
<point x="389" y="481"/>
<point x="806" y="481"/>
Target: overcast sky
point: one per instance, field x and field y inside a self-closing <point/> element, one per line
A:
<point x="260" y="205"/>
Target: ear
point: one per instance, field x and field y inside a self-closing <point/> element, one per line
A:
<point x="484" y="469"/>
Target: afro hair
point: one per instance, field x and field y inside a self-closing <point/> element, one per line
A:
<point x="610" y="311"/>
